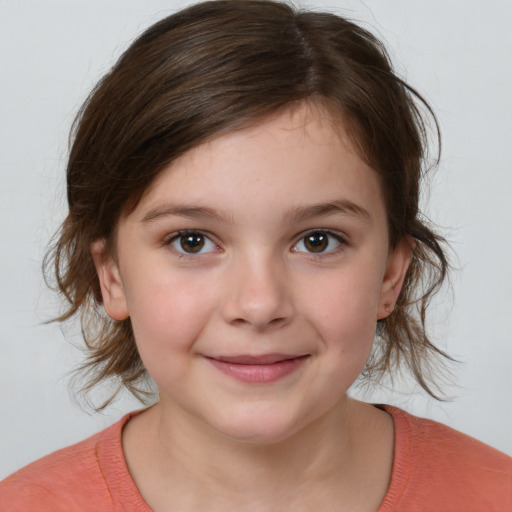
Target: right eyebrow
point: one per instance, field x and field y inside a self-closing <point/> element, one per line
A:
<point x="187" y="211"/>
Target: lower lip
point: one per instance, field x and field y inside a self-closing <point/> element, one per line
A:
<point x="259" y="373"/>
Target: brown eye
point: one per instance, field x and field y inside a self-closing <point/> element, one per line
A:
<point x="316" y="242"/>
<point x="192" y="242"/>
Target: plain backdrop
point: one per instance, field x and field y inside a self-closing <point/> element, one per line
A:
<point x="458" y="54"/>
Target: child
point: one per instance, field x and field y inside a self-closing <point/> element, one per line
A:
<point x="243" y="220"/>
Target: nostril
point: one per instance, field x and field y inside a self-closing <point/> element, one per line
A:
<point x="239" y="322"/>
<point x="256" y="301"/>
<point x="262" y="324"/>
<point x="276" y="321"/>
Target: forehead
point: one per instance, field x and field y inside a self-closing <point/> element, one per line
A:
<point x="301" y="154"/>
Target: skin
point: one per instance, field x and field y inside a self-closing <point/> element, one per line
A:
<point x="258" y="287"/>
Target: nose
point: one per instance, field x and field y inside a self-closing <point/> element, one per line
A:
<point x="258" y="295"/>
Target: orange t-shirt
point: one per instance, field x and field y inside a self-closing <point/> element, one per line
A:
<point x="435" y="468"/>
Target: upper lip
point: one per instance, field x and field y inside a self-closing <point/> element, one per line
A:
<point x="256" y="359"/>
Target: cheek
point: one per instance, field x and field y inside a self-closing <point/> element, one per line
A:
<point x="343" y="300"/>
<point x="343" y="311"/>
<point x="168" y="312"/>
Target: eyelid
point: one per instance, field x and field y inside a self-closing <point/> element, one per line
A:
<point x="176" y="235"/>
<point x="338" y="236"/>
<point x="169" y="239"/>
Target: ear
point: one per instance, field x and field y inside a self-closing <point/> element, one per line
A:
<point x="112" y="289"/>
<point x="396" y="269"/>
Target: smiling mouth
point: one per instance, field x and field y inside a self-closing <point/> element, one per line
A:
<point x="264" y="368"/>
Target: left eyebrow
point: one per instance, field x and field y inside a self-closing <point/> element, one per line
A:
<point x="344" y="206"/>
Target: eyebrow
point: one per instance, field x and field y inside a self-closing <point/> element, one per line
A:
<point x="188" y="211"/>
<point x="344" y="206"/>
<point x="297" y="214"/>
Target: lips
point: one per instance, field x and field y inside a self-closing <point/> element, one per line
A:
<point x="264" y="368"/>
<point x="263" y="359"/>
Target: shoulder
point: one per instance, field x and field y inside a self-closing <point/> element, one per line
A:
<point x="439" y="468"/>
<point x="74" y="478"/>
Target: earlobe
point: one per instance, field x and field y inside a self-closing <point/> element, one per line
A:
<point x="396" y="270"/>
<point x="112" y="289"/>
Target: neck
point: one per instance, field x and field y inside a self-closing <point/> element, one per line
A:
<point x="203" y="467"/>
<point x="247" y="467"/>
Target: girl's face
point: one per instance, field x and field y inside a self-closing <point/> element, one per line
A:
<point x="254" y="270"/>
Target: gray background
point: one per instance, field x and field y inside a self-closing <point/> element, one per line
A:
<point x="458" y="54"/>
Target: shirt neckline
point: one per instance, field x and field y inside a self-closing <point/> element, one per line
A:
<point x="123" y="489"/>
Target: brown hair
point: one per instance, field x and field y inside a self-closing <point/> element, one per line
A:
<point x="212" y="68"/>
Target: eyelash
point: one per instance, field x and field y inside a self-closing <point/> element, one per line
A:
<point x="340" y="240"/>
<point x="174" y="237"/>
